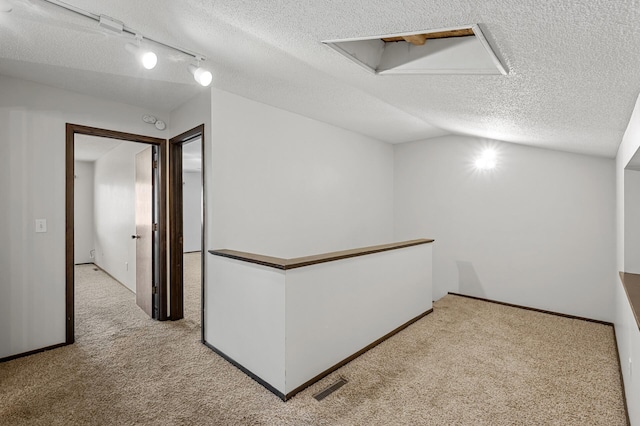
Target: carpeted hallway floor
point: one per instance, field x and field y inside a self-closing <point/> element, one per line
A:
<point x="468" y="363"/>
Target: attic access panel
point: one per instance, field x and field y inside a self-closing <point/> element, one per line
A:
<point x="459" y="50"/>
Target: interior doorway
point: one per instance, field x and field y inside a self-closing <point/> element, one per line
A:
<point x="183" y="151"/>
<point x="152" y="181"/>
<point x="115" y="206"/>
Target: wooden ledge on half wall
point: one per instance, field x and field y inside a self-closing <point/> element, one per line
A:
<point x="298" y="262"/>
<point x="631" y="284"/>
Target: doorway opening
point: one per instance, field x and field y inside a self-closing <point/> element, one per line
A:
<point x="150" y="236"/>
<point x="186" y="216"/>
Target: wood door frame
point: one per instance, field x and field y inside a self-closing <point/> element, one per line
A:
<point x="71" y="131"/>
<point x="176" y="299"/>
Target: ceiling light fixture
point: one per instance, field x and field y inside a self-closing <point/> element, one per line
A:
<point x="201" y="75"/>
<point x="146" y="57"/>
<point x="487" y="160"/>
<point x="5" y="6"/>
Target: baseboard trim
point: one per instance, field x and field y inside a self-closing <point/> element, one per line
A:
<point x="528" y="308"/>
<point x="33" y="352"/>
<point x="113" y="278"/>
<point x="246" y="371"/>
<point x="624" y="394"/>
<point x="356" y="355"/>
<point x="324" y="373"/>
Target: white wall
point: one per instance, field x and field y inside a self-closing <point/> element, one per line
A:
<point x="335" y="309"/>
<point x="194" y="112"/>
<point x="9" y="336"/>
<point x="632" y="221"/>
<point x="32" y="167"/>
<point x="284" y="185"/>
<point x="83" y="212"/>
<point x="536" y="231"/>
<point x="296" y="324"/>
<point x="288" y="186"/>
<point x="192" y="211"/>
<point x="115" y="212"/>
<point x="245" y="316"/>
<point x="627" y="333"/>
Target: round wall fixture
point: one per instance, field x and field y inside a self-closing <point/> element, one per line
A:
<point x="149" y="119"/>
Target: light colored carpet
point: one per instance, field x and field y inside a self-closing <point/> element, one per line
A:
<point x="468" y="363"/>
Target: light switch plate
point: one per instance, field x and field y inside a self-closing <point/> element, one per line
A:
<point x="41" y="225"/>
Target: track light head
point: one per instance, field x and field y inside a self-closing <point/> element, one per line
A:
<point x="200" y="75"/>
<point x="146" y="57"/>
<point x="149" y="60"/>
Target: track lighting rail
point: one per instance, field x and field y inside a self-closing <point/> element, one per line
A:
<point x="119" y="27"/>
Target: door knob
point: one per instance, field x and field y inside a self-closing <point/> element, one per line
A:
<point x="135" y="237"/>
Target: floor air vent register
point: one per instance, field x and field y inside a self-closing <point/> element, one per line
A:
<point x="331" y="389"/>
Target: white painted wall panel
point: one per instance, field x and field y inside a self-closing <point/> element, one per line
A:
<point x="627" y="333"/>
<point x="246" y="316"/>
<point x="33" y="282"/>
<point x="83" y="212"/>
<point x="288" y="186"/>
<point x="337" y="308"/>
<point x="632" y="221"/>
<point x="194" y="112"/>
<point x="192" y="211"/>
<point x="7" y="343"/>
<point x="284" y="185"/>
<point x="628" y="338"/>
<point x="32" y="140"/>
<point x="538" y="231"/>
<point x="115" y="212"/>
<point x="631" y="364"/>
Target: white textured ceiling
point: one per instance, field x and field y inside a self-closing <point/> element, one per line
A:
<point x="573" y="65"/>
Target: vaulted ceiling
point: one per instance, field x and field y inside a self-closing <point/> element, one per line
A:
<point x="572" y="82"/>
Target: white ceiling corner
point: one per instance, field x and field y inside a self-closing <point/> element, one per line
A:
<point x="91" y="148"/>
<point x="572" y="80"/>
